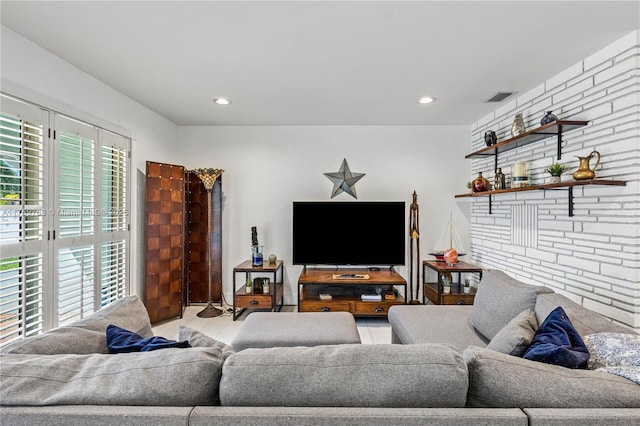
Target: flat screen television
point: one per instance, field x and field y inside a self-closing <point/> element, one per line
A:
<point x="368" y="233"/>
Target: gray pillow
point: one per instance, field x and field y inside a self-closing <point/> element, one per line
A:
<point x="502" y="381"/>
<point x="499" y="299"/>
<point x="348" y="375"/>
<point x="517" y="335"/>
<point x="87" y="335"/>
<point x="198" y="339"/>
<point x="169" y="377"/>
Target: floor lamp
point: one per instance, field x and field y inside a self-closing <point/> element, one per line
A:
<point x="208" y="178"/>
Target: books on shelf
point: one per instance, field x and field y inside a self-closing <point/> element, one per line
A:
<point x="371" y="298"/>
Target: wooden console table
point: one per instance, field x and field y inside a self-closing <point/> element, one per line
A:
<point x="346" y="297"/>
<point x="433" y="290"/>
<point x="256" y="299"/>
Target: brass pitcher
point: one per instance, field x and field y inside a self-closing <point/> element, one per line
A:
<point x="584" y="171"/>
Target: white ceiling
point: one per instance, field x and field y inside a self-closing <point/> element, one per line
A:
<point x="324" y="62"/>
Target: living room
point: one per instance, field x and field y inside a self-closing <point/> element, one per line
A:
<point x="592" y="256"/>
<point x="582" y="242"/>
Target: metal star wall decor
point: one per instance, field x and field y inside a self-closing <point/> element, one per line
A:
<point x="344" y="181"/>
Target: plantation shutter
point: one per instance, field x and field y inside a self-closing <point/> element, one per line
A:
<point x="114" y="210"/>
<point x="75" y="221"/>
<point x="64" y="218"/>
<point x="24" y="219"/>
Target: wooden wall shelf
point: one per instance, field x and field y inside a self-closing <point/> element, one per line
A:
<point x="555" y="128"/>
<point x="548" y="186"/>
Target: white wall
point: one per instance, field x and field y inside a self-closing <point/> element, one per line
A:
<point x="267" y="168"/>
<point x="34" y="74"/>
<point x="594" y="256"/>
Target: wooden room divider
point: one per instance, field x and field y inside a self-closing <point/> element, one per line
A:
<point x="176" y="266"/>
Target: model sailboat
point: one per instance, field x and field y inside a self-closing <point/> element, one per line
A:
<point x="449" y="239"/>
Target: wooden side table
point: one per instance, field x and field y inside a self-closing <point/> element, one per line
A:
<point x="256" y="299"/>
<point x="433" y="290"/>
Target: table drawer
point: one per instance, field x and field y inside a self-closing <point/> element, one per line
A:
<point x="253" y="301"/>
<point x="456" y="299"/>
<point x="373" y="308"/>
<point x="324" y="306"/>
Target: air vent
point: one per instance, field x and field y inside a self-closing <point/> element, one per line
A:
<point x="500" y="96"/>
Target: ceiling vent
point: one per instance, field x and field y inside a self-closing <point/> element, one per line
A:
<point x="500" y="96"/>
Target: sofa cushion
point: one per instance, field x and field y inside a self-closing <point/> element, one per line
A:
<point x="500" y="380"/>
<point x="499" y="299"/>
<point x="450" y="324"/>
<point x="584" y="320"/>
<point x="87" y="335"/>
<point x="517" y="335"/>
<point x="557" y="342"/>
<point x="349" y="375"/>
<point x="120" y="340"/>
<point x="169" y="377"/>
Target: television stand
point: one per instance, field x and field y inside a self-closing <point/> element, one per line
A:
<point x="346" y="292"/>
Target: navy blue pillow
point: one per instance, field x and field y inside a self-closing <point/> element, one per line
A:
<point x="120" y="340"/>
<point x="557" y="342"/>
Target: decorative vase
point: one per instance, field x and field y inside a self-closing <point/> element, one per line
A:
<point x="490" y="137"/>
<point x="499" y="180"/>
<point x="256" y="255"/>
<point x="584" y="170"/>
<point x="548" y="118"/>
<point x="480" y="184"/>
<point x="517" y="128"/>
<point x="272" y="258"/>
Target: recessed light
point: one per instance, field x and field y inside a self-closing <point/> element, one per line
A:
<point x="426" y="100"/>
<point x="221" y="101"/>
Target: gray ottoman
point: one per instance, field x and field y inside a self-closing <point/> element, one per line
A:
<point x="277" y="329"/>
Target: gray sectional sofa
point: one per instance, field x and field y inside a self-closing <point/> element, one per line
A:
<point x="448" y="368"/>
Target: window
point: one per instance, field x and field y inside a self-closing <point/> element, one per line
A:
<point x="64" y="219"/>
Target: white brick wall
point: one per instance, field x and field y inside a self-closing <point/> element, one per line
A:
<point x="594" y="256"/>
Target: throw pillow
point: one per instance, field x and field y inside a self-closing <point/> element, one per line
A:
<point x="120" y="340"/>
<point x="198" y="339"/>
<point x="615" y="353"/>
<point x="557" y="342"/>
<point x="499" y="299"/>
<point x="628" y="372"/>
<point x="517" y="335"/>
<point x="613" y="349"/>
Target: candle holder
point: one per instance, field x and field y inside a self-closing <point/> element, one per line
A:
<point x="519" y="175"/>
